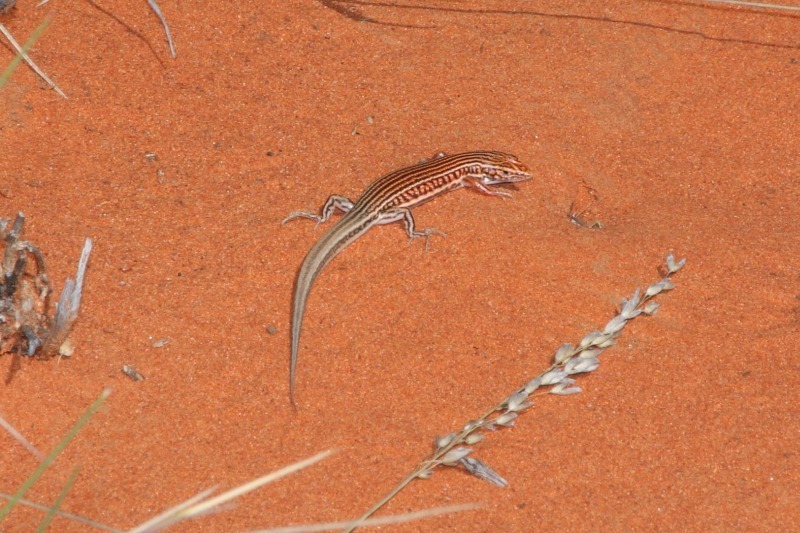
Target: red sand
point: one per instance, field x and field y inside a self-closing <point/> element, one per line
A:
<point x="683" y="118"/>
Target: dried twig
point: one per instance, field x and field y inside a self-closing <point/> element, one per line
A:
<point x="200" y="504"/>
<point x="155" y="8"/>
<point x="22" y="440"/>
<point x="23" y="53"/>
<point x="69" y="516"/>
<point x="383" y="521"/>
<point x="754" y="4"/>
<point x="453" y="449"/>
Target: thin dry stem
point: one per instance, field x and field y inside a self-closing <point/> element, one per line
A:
<point x="387" y="520"/>
<point x="157" y="11"/>
<point x="63" y="514"/>
<point x="754" y="4"/>
<point x="195" y="506"/>
<point x="17" y="435"/>
<point x="568" y="360"/>
<point x="29" y="61"/>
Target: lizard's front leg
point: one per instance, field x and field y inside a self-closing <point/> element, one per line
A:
<point x="478" y="183"/>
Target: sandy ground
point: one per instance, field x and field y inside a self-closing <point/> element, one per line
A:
<point x="680" y="117"/>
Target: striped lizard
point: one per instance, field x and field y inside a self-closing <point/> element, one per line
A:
<point x="388" y="200"/>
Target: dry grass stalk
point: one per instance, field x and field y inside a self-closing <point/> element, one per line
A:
<point x="754" y="4"/>
<point x="384" y="521"/>
<point x="454" y="449"/>
<point x="157" y="11"/>
<point x="63" y="514"/>
<point x="21" y="439"/>
<point x="22" y="51"/>
<point x="51" y="457"/>
<point x="200" y="504"/>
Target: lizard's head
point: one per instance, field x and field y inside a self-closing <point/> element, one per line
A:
<point x="503" y="168"/>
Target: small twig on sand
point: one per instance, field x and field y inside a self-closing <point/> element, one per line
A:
<point x="754" y="4"/>
<point x="155" y="8"/>
<point x="22" y="440"/>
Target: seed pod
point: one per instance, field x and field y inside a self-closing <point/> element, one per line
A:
<point x="506" y="419"/>
<point x="516" y="400"/>
<point x="475" y="438"/>
<point x="553" y="377"/>
<point x="563" y="353"/>
<point x="455" y="455"/>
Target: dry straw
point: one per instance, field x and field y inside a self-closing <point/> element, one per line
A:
<point x="757" y="5"/>
<point x="157" y="11"/>
<point x="201" y="504"/>
<point x="22" y="54"/>
<point x="455" y="449"/>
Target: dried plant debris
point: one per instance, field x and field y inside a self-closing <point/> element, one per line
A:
<point x="22" y="54"/>
<point x="160" y="343"/>
<point x="158" y="13"/>
<point x="6" y="5"/>
<point x="755" y="5"/>
<point x="132" y="373"/>
<point x="454" y="449"/>
<point x="25" y="327"/>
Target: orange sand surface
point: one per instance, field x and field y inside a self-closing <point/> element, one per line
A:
<point x="673" y="123"/>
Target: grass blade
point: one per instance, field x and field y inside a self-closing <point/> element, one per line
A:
<point x="57" y="450"/>
<point x="70" y="516"/>
<point x="22" y="53"/>
<point x="191" y="509"/>
<point x="56" y="504"/>
<point x="27" y="46"/>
